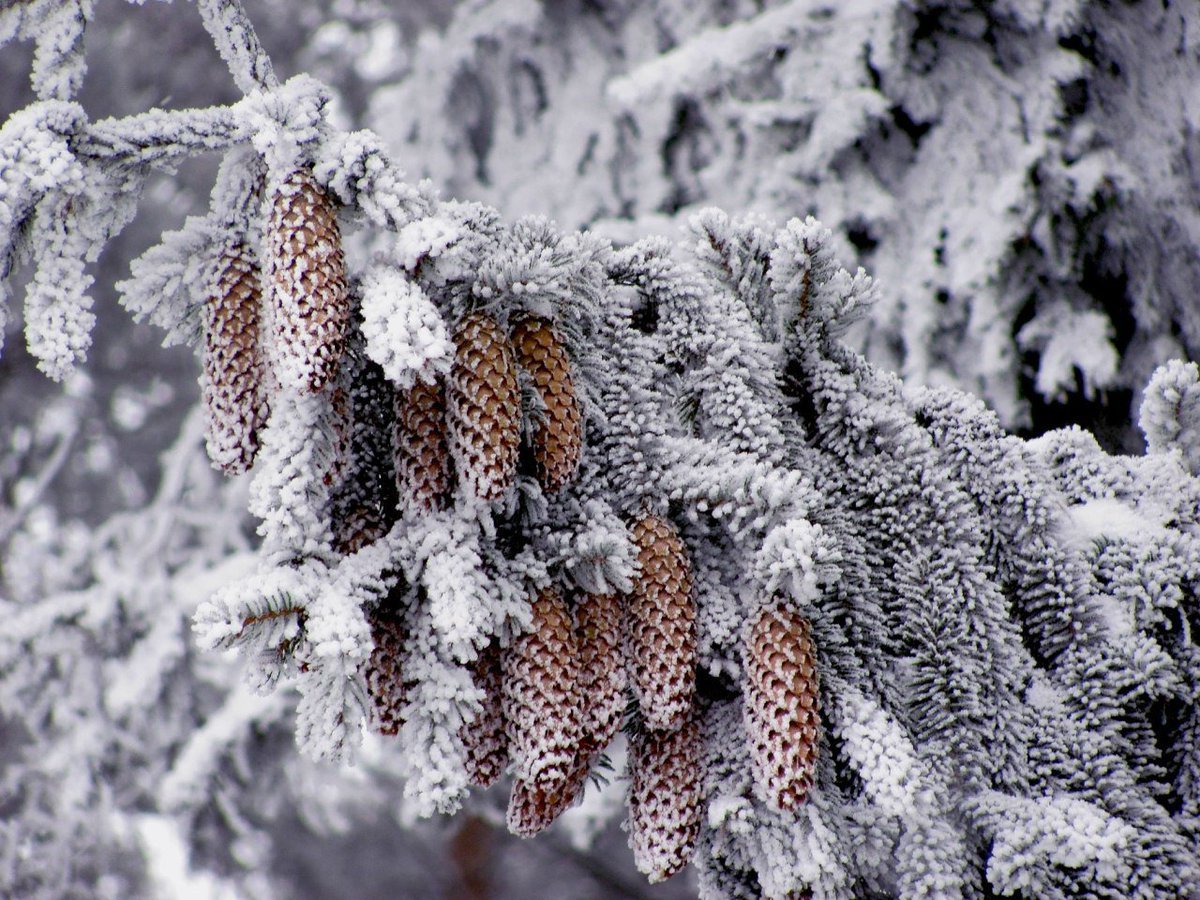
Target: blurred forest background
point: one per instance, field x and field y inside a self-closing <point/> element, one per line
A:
<point x="1021" y="176"/>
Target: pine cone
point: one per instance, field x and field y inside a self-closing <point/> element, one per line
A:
<point x="235" y="397"/>
<point x="558" y="441"/>
<point x="385" y="681"/>
<point x="354" y="527"/>
<point x="541" y="696"/>
<point x="602" y="668"/>
<point x="364" y="503"/>
<point x="782" y="705"/>
<point x="419" y="442"/>
<point x="531" y="809"/>
<point x="484" y="738"/>
<point x="665" y="798"/>
<point x="484" y="402"/>
<point x="660" y="625"/>
<point x="309" y="278"/>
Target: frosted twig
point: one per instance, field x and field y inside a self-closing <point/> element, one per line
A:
<point x="237" y="42"/>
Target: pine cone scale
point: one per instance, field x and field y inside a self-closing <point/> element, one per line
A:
<point x="660" y="632"/>
<point x="484" y="409"/>
<point x="665" y="798"/>
<point x="782" y="705"/>
<point x="233" y="380"/>
<point x="541" y="695"/>
<point x="309" y="281"/>
<point x="558" y="439"/>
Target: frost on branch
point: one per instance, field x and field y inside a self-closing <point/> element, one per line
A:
<point x="1170" y="415"/>
<point x="873" y="644"/>
<point x="993" y="165"/>
<point x="404" y="332"/>
<point x="944" y="619"/>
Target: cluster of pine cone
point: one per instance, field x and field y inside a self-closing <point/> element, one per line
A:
<point x="556" y="697"/>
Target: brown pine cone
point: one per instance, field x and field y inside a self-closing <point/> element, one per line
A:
<point x="541" y="695"/>
<point x="660" y="625"/>
<point x="309" y="280"/>
<point x="665" y="798"/>
<point x="558" y="441"/>
<point x="235" y="398"/>
<point x="355" y="527"/>
<point x="385" y="681"/>
<point x="484" y="738"/>
<point x="484" y="407"/>
<point x="531" y="809"/>
<point x="601" y="668"/>
<point x="781" y="709"/>
<point x="421" y="451"/>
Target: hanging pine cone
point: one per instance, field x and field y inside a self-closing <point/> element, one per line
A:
<point x="309" y="281"/>
<point x="484" y="401"/>
<point x="665" y="798"/>
<point x="782" y="705"/>
<point x="558" y="441"/>
<point x="531" y="808"/>
<point x="484" y="738"/>
<point x="541" y="695"/>
<point x="601" y="667"/>
<point x="385" y="681"/>
<point x="422" y="456"/>
<point x="364" y="501"/>
<point x="660" y="625"/>
<point x="235" y="398"/>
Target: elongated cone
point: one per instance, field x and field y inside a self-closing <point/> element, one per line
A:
<point x="308" y="276"/>
<point x="385" y="680"/>
<point x="531" y="809"/>
<point x="660" y="625"/>
<point x="665" y="798"/>
<point x="541" y="695"/>
<point x="484" y="407"/>
<point x="558" y="440"/>
<point x="422" y="455"/>
<point x="484" y="739"/>
<point x="364" y="501"/>
<point x="782" y="705"/>
<point x="235" y="398"/>
<point x="602" y="668"/>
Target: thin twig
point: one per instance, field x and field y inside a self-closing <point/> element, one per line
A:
<point x="11" y="521"/>
<point x="237" y="42"/>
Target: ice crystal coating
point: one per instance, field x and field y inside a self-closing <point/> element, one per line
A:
<point x="660" y="625"/>
<point x="782" y="705"/>
<point x="404" y="332"/>
<point x="484" y="408"/>
<point x="308" y="282"/>
<point x="1170" y="414"/>
<point x="233" y="383"/>
<point x="541" y="696"/>
<point x="484" y="738"/>
<point x="422" y="454"/>
<point x="665" y="798"/>
<point x="1006" y="627"/>
<point x="558" y="436"/>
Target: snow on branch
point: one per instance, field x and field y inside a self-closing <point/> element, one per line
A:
<point x="519" y="490"/>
